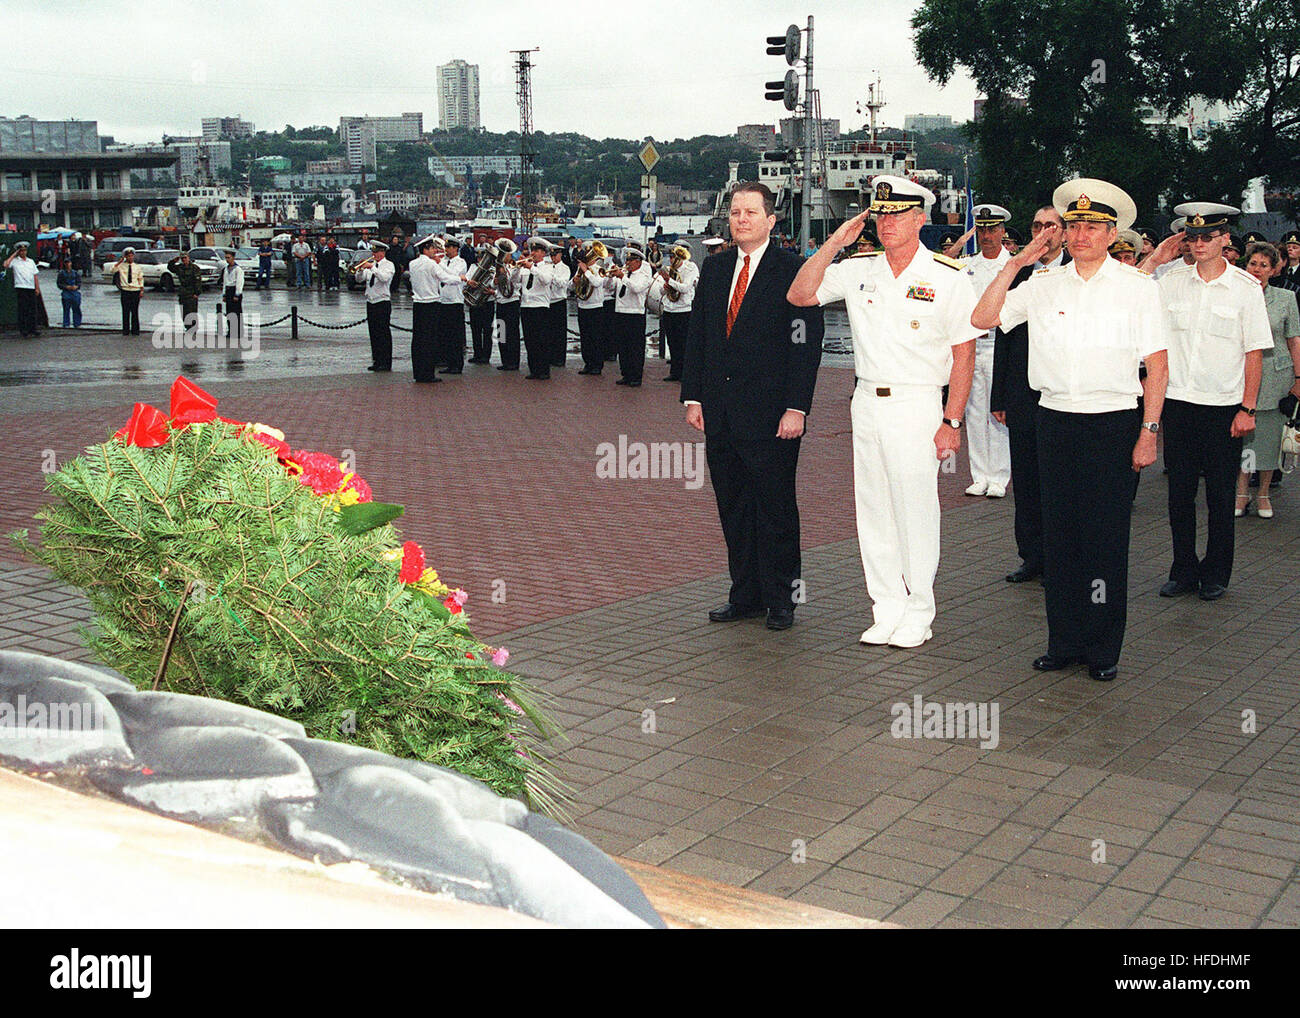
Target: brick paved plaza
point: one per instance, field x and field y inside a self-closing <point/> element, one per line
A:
<point x="766" y="759"/>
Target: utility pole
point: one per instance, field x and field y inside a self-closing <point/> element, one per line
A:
<point x="805" y="225"/>
<point x="527" y="153"/>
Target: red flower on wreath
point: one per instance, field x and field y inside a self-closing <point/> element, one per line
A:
<point x="412" y="563"/>
<point x="452" y="605"/>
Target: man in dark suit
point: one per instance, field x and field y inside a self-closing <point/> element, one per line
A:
<point x="751" y="366"/>
<point x="1015" y="404"/>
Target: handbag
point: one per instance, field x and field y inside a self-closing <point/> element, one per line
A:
<point x="1290" y="451"/>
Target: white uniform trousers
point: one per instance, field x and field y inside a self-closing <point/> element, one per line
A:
<point x="896" y="487"/>
<point x="987" y="440"/>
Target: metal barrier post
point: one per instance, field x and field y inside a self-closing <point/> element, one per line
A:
<point x="293" y="319"/>
<point x="220" y="326"/>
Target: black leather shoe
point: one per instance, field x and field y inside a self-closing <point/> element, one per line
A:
<point x="731" y="612"/>
<point x="622" y="381"/>
<point x="1176" y="588"/>
<point x="453" y="371"/>
<point x="1212" y="591"/>
<point x="538" y="378"/>
<point x="1024" y="574"/>
<point x="506" y="367"/>
<point x="1048" y="663"/>
<point x="1103" y="674"/>
<point x="780" y="618"/>
<point x="672" y="378"/>
<point x="427" y="381"/>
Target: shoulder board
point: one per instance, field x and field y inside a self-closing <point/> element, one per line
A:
<point x="1132" y="270"/>
<point x="1242" y="272"/>
<point x="862" y="254"/>
<point x="952" y="263"/>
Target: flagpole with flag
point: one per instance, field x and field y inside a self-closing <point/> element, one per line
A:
<point x="969" y="224"/>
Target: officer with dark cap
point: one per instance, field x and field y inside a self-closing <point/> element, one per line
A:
<point x="1289" y="247"/>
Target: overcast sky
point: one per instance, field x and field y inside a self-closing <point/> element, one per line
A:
<point x="623" y="69"/>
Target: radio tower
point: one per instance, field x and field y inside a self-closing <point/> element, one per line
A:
<point x="874" y="104"/>
<point x="527" y="154"/>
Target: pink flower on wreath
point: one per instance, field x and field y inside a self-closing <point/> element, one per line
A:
<point x="412" y="563"/>
<point x="500" y="656"/>
<point x="459" y="596"/>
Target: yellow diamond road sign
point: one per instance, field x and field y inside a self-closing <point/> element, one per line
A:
<point x="649" y="156"/>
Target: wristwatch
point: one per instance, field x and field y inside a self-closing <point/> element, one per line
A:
<point x="1247" y="410"/>
<point x="1151" y="426"/>
<point x="953" y="422"/>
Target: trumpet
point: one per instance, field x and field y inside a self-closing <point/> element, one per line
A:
<point x="361" y="266"/>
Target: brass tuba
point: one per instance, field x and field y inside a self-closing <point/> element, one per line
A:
<point x="594" y="252"/>
<point x="478" y="279"/>
<point x="681" y="253"/>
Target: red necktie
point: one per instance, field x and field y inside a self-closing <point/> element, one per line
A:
<point x="738" y="296"/>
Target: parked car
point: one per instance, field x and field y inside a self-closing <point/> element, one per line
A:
<point x="156" y="271"/>
<point x="110" y="248"/>
<point x="213" y="256"/>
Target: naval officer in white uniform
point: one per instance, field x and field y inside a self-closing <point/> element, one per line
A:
<point x="909" y="310"/>
<point x="987" y="440"/>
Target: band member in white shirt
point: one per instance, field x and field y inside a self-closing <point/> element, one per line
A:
<point x="481" y="317"/>
<point x="535" y="308"/>
<point x="591" y="312"/>
<point x="507" y="321"/>
<point x="376" y="273"/>
<point x="1091" y="323"/>
<point x="561" y="276"/>
<point x="425" y="290"/>
<point x="450" y="314"/>
<point x="631" y="283"/>
<point x="986" y="437"/>
<point x="675" y="319"/>
<point x="1218" y="331"/>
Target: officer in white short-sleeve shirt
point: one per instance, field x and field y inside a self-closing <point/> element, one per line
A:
<point x="1218" y="330"/>
<point x="1091" y="323"/>
<point x="909" y="310"/>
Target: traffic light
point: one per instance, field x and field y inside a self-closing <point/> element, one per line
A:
<point x="787" y="90"/>
<point x="785" y="45"/>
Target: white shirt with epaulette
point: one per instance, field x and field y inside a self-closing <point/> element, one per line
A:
<point x="1212" y="326"/>
<point x="1087" y="337"/>
<point x="981" y="271"/>
<point x="904" y="327"/>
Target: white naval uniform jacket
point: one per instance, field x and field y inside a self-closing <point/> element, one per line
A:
<point x="630" y="291"/>
<point x="981" y="271"/>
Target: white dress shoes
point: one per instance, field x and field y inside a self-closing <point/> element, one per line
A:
<point x="978" y="488"/>
<point x="996" y="491"/>
<point x="908" y="637"/>
<point x="878" y="635"/>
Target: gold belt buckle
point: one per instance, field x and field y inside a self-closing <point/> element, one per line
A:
<point x="882" y="391"/>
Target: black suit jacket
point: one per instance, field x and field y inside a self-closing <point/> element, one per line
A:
<point x="1010" y="389"/>
<point x="768" y="364"/>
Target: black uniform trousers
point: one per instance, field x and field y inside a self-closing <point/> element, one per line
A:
<point x="508" y="342"/>
<point x="673" y="326"/>
<point x="378" y="316"/>
<point x="629" y="333"/>
<point x="189" y="317"/>
<point x="559" y="332"/>
<point x="591" y="337"/>
<point x="424" y="343"/>
<point x="611" y="340"/>
<point x="754" y="481"/>
<point x="1084" y="462"/>
<point x="536" y="323"/>
<point x="480" y="329"/>
<point x="1022" y="430"/>
<point x="451" y="335"/>
<point x="1199" y="443"/>
<point x="25" y="299"/>
<point x="130" y="312"/>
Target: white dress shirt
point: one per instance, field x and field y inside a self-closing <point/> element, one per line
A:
<point x="754" y="258"/>
<point x="378" y="278"/>
<point x="425" y="287"/>
<point x="560" y="279"/>
<point x="630" y="291"/>
<point x="1087" y="336"/>
<point x="904" y="327"/>
<point x="1211" y="328"/>
<point x="601" y="288"/>
<point x="534" y="285"/>
<point x="232" y="275"/>
<point x="512" y="274"/>
<point x="25" y="271"/>
<point x="689" y="274"/>
<point x="449" y="271"/>
<point x="981" y="271"/>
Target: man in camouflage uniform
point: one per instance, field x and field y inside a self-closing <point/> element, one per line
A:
<point x="189" y="284"/>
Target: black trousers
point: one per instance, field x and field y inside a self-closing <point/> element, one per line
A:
<point x="611" y="341"/>
<point x="559" y="332"/>
<point x="1084" y="462"/>
<point x="378" y="316"/>
<point x="591" y="336"/>
<point x="26" y="307"/>
<point x="536" y="323"/>
<point x="1199" y="443"/>
<point x="754" y="481"/>
<point x="508" y="340"/>
<point x="451" y="335"/>
<point x="629" y="332"/>
<point x="424" y="357"/>
<point x="189" y="316"/>
<point x="130" y="312"/>
<point x="480" y="329"/>
<point x="1022" y="430"/>
<point x="234" y="307"/>
<point x="672" y="327"/>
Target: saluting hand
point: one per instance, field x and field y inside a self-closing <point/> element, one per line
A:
<point x="1028" y="254"/>
<point x="1166" y="251"/>
<point x="848" y="232"/>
